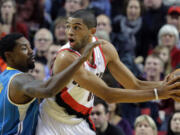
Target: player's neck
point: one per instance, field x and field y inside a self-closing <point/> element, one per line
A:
<point x="90" y="39"/>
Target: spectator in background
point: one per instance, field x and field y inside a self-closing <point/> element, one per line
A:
<point x="38" y="72"/>
<point x="104" y="24"/>
<point x="102" y="34"/>
<point x="153" y="68"/>
<point x="46" y="4"/>
<point x="42" y="41"/>
<point x="51" y="54"/>
<point x="8" y="21"/>
<point x="60" y="37"/>
<point x="145" y="125"/>
<point x="85" y="3"/>
<point x="31" y="12"/>
<point x="169" y="2"/>
<point x="164" y="53"/>
<point x="177" y="106"/>
<point x="70" y="6"/>
<point x="168" y="36"/>
<point x="154" y="17"/>
<point x="117" y="120"/>
<point x="127" y="28"/>
<point x="100" y="7"/>
<point x="173" y="18"/>
<point x="174" y="124"/>
<point x="128" y="34"/>
<point x="99" y="116"/>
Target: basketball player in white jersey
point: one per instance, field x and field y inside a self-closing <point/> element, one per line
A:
<point x="68" y="112"/>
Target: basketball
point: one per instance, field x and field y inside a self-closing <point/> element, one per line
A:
<point x="173" y="75"/>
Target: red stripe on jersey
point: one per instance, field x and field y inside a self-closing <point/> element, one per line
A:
<point x="94" y="65"/>
<point x="102" y="53"/>
<point x="68" y="99"/>
<point x="93" y="125"/>
<point x="103" y="56"/>
<point x="64" y="89"/>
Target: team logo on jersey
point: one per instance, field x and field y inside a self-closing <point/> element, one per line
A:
<point x="1" y="87"/>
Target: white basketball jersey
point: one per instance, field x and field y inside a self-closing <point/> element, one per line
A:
<point x="74" y="103"/>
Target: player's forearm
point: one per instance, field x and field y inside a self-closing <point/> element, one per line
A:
<point x="55" y="84"/>
<point x="129" y="96"/>
<point x="147" y="85"/>
<point x="60" y="80"/>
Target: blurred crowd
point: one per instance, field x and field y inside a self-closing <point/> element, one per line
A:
<point x="144" y="32"/>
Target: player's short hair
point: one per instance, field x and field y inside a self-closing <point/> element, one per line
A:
<point x="8" y="43"/>
<point x="87" y="16"/>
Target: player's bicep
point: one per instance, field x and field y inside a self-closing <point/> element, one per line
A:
<point x="119" y="71"/>
<point x="90" y="81"/>
<point x="24" y="82"/>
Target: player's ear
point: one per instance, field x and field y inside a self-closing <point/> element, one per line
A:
<point x="8" y="55"/>
<point x="93" y="30"/>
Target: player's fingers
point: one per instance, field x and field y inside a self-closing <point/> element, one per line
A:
<point x="167" y="78"/>
<point x="175" y="79"/>
<point x="175" y="97"/>
<point x="174" y="91"/>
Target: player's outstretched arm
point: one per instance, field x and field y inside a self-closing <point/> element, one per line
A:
<point x="123" y="75"/>
<point x="96" y="85"/>
<point x="32" y="88"/>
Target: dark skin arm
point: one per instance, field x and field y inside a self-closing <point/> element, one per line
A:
<point x="24" y="87"/>
<point x="96" y="85"/>
<point x="126" y="78"/>
<point x="121" y="73"/>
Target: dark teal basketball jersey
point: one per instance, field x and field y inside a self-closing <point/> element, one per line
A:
<point x="15" y="119"/>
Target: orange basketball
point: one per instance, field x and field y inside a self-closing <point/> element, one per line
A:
<point x="173" y="75"/>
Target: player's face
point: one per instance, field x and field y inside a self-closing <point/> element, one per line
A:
<point x="22" y="55"/>
<point x="77" y="32"/>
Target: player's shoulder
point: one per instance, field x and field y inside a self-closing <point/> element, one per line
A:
<point x="107" y="47"/>
<point x="66" y="53"/>
<point x="65" y="57"/>
<point x="21" y="79"/>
